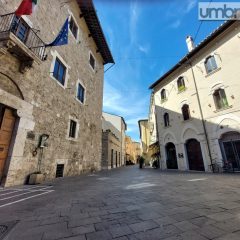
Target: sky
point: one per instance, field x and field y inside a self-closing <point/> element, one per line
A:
<point x="146" y="38"/>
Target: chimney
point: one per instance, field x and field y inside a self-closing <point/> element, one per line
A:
<point x="190" y="43"/>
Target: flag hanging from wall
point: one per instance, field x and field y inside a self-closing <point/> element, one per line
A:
<point x="62" y="37"/>
<point x="27" y="7"/>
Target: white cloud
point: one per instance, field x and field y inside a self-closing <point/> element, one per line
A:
<point x="176" y="24"/>
<point x="145" y="49"/>
<point x="190" y="5"/>
<point x="126" y="104"/>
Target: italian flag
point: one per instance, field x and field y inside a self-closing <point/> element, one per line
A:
<point x="27" y="7"/>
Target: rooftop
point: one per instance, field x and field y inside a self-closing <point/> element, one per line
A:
<point x="200" y="46"/>
<point x="89" y="13"/>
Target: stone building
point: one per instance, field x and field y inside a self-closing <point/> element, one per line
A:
<point x="117" y="125"/>
<point x="50" y="98"/>
<point x="196" y="105"/>
<point x="144" y="130"/>
<point x="133" y="150"/>
<point x="111" y="150"/>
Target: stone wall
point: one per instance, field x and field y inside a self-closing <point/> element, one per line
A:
<point x="51" y="104"/>
<point x="110" y="143"/>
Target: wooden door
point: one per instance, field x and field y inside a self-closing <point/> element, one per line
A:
<point x="194" y="154"/>
<point x="7" y="121"/>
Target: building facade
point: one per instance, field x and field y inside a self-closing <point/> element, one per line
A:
<point x="50" y="98"/>
<point x="118" y="127"/>
<point x="111" y="151"/>
<point x="144" y="129"/>
<point x="196" y="105"/>
<point x="133" y="150"/>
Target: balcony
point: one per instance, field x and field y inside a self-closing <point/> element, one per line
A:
<point x="18" y="38"/>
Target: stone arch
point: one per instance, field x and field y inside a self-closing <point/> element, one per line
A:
<point x="9" y="85"/>
<point x="169" y="137"/>
<point x="189" y="132"/>
<point x="227" y="123"/>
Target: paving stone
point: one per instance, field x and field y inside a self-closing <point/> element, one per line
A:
<point x="185" y="226"/>
<point x="228" y="226"/>
<point x="189" y="235"/>
<point x="105" y="225"/>
<point x="182" y="211"/>
<point x="210" y="232"/>
<point x="158" y="233"/>
<point x="101" y="235"/>
<point x="165" y="221"/>
<point x="74" y="222"/>
<point x="83" y="229"/>
<point x="143" y="226"/>
<point x="117" y="231"/>
<point x="149" y="215"/>
<point x="79" y="237"/>
<point x="232" y="236"/>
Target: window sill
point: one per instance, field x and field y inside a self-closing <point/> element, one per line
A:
<point x="181" y="91"/>
<point x="63" y="86"/>
<point x="163" y="100"/>
<point x="189" y="120"/>
<point x="223" y="109"/>
<point x="72" y="139"/>
<point x="82" y="103"/>
<point x="214" y="71"/>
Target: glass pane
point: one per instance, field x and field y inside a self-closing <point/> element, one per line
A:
<point x="237" y="148"/>
<point x="61" y="74"/>
<point x="229" y="152"/>
<point x="56" y="67"/>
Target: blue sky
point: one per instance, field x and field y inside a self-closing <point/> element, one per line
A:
<point x="146" y="39"/>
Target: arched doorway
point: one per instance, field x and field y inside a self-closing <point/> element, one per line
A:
<point x="171" y="156"/>
<point x="194" y="154"/>
<point x="230" y="146"/>
<point x="7" y="122"/>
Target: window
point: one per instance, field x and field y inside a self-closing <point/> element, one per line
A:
<point x="59" y="72"/>
<point x="72" y="129"/>
<point x="20" y="28"/>
<point x="185" y="112"/>
<point x="73" y="27"/>
<point x="210" y="64"/>
<point x="163" y="95"/>
<point x="220" y="99"/>
<point x="59" y="170"/>
<point x="181" y="84"/>
<point x="166" y="120"/>
<point x="92" y="61"/>
<point x="80" y="93"/>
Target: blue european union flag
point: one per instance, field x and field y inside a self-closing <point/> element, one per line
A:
<point x="62" y="38"/>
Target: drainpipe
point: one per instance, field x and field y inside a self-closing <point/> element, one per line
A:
<point x="201" y="113"/>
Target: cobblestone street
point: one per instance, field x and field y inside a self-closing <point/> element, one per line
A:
<point x="129" y="203"/>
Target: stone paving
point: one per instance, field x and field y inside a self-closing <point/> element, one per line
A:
<point x="131" y="204"/>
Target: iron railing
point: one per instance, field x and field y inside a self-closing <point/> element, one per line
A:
<point x="21" y="29"/>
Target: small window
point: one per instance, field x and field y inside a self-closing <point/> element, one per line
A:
<point x="59" y="72"/>
<point x="185" y="112"/>
<point x="220" y="99"/>
<point x="80" y="93"/>
<point x="72" y="129"/>
<point x="210" y="64"/>
<point x="181" y="84"/>
<point x="73" y="27"/>
<point x="59" y="170"/>
<point x="163" y="95"/>
<point x="92" y="61"/>
<point x="166" y="120"/>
